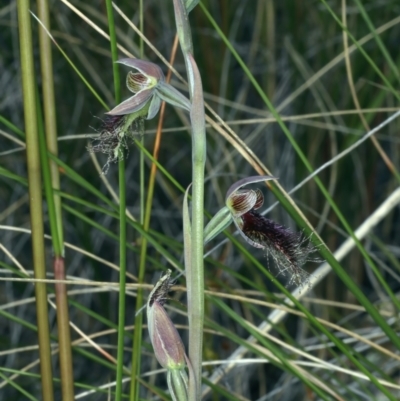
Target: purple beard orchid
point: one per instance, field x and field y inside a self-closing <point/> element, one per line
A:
<point x="149" y="89"/>
<point x="288" y="249"/>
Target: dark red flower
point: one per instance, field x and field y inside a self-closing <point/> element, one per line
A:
<point x="288" y="249"/>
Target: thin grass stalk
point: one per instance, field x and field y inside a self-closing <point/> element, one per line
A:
<point x="114" y="52"/>
<point x="378" y="40"/>
<point x="122" y="213"/>
<point x="271" y="46"/>
<point x="70" y="62"/>
<point x="63" y="328"/>
<point x="195" y="278"/>
<point x="161" y="168"/>
<point x="50" y="120"/>
<point x="25" y="393"/>
<point x="35" y="196"/>
<point x="12" y="127"/>
<point x="122" y="276"/>
<point x="64" y="331"/>
<point x="52" y="181"/>
<point x="322" y="248"/>
<point x="141" y="173"/>
<point x="137" y="335"/>
<point x="146" y="225"/>
<point x="141" y="156"/>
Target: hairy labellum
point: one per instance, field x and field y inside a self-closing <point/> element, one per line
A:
<point x="111" y="123"/>
<point x="288" y="249"/>
<point x="161" y="289"/>
<point x="113" y="136"/>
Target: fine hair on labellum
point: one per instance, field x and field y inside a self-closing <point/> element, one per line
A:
<point x="288" y="249"/>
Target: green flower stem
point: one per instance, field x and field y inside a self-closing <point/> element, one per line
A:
<point x="195" y="277"/>
<point x="178" y="383"/>
<point x="196" y="283"/>
<point x="122" y="214"/>
<point x="35" y="196"/>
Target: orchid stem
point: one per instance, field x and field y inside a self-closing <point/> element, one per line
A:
<point x="195" y="271"/>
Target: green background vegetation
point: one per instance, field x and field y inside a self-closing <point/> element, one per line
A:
<point x="296" y="52"/>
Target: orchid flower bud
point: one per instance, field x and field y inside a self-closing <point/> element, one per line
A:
<point x="167" y="344"/>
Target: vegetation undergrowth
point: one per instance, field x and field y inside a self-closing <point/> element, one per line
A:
<point x="199" y="200"/>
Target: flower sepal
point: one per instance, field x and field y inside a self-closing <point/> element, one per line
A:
<point x="218" y="223"/>
<point x="172" y="96"/>
<point x="149" y="88"/>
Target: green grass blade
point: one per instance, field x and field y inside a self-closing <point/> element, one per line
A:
<point x="122" y="213"/>
<point x="35" y="194"/>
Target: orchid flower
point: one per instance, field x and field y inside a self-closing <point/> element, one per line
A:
<point x="149" y="88"/>
<point x="123" y="121"/>
<point x="288" y="249"/>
